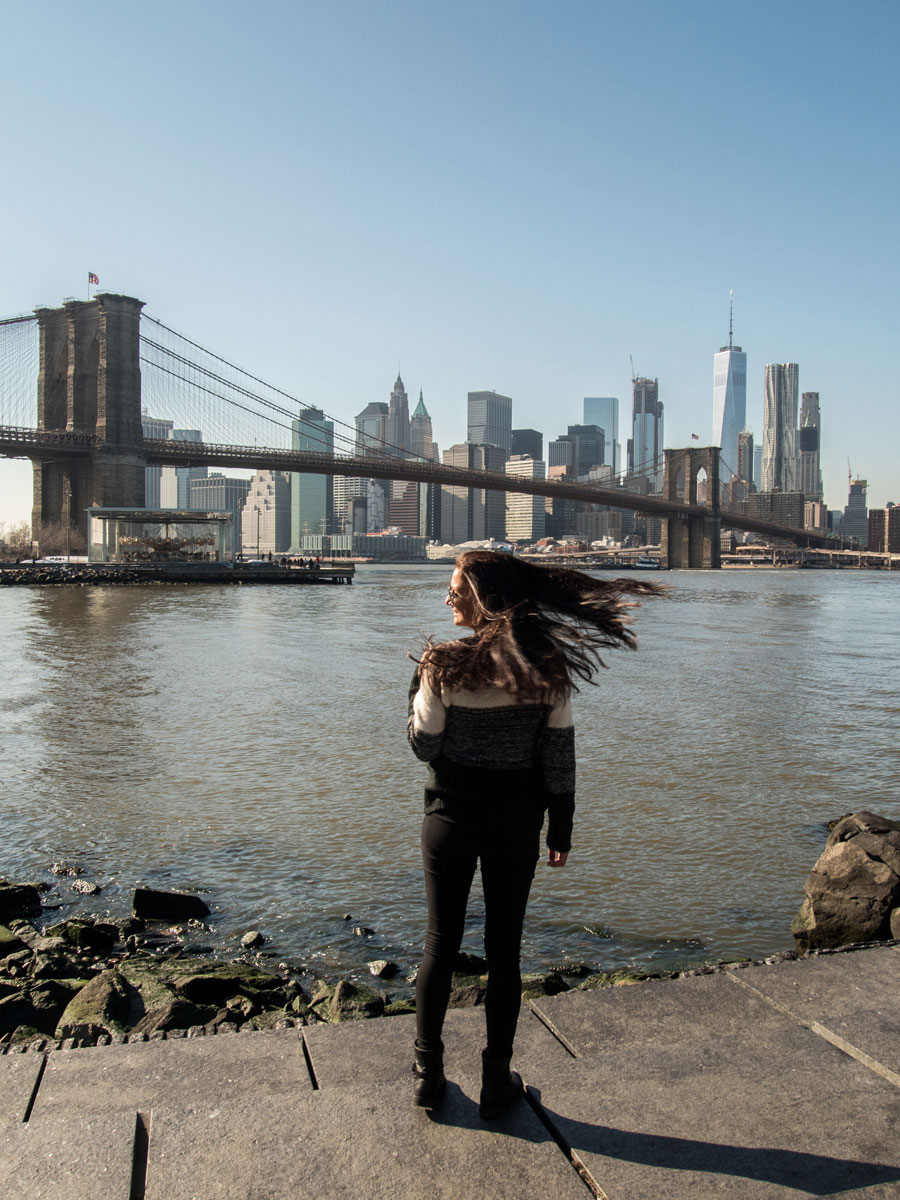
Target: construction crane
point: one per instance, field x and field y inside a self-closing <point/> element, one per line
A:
<point x="633" y="376"/>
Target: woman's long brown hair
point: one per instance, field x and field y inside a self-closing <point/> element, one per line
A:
<point x="537" y="629"/>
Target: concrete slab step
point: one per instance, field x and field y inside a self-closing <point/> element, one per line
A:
<point x="363" y="1141"/>
<point x="770" y="1117"/>
<point x="141" y="1076"/>
<point x="18" y="1075"/>
<point x="78" y="1157"/>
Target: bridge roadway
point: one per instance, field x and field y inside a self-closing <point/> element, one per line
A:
<point x="17" y="442"/>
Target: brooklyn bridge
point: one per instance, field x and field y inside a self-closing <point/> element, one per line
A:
<point x="75" y="379"/>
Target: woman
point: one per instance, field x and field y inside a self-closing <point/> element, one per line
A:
<point x="490" y="714"/>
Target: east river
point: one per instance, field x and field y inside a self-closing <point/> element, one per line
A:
<point x="250" y="743"/>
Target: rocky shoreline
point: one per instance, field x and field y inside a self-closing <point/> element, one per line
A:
<point x="88" y="980"/>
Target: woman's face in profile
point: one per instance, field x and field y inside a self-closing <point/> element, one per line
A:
<point x="459" y="601"/>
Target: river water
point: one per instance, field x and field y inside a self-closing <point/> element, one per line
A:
<point x="250" y="743"/>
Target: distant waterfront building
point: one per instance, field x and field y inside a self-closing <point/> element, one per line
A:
<point x="884" y="529"/>
<point x="604" y="411"/>
<point x="779" y="458"/>
<point x="809" y="444"/>
<point x="784" y="508"/>
<point x="266" y="519"/>
<point x="855" y="521"/>
<point x="527" y="441"/>
<point x="645" y="456"/>
<point x="525" y="515"/>
<point x="729" y="403"/>
<point x="490" y="420"/>
<point x="218" y="493"/>
<point x="312" y="496"/>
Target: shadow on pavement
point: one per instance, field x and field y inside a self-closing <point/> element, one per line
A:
<point x="817" y="1174"/>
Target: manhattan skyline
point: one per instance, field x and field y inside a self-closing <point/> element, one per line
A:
<point x="533" y="197"/>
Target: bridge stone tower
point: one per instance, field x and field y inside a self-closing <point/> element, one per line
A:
<point x="89" y="382"/>
<point x="692" y="541"/>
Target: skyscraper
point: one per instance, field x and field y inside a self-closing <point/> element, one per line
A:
<point x="589" y="443"/>
<point x="266" y="519"/>
<point x="745" y="458"/>
<point x="646" y="447"/>
<point x="312" y="496"/>
<point x="398" y="417"/>
<point x="810" y="480"/>
<point x="421" y="440"/>
<point x="490" y="420"/>
<point x="779" y="457"/>
<point x="729" y="403"/>
<point x="525" y="515"/>
<point x="527" y="441"/>
<point x="160" y="430"/>
<point x="473" y="514"/>
<point x="371" y="433"/>
<point x="604" y="411"/>
<point x="855" y="521"/>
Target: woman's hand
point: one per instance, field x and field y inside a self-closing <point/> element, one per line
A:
<point x="557" y="858"/>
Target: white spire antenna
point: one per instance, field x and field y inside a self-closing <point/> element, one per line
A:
<point x="730" y="319"/>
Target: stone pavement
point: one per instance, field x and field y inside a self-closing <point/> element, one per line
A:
<point x="765" y="1082"/>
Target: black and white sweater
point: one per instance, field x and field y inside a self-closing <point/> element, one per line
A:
<point x="485" y="745"/>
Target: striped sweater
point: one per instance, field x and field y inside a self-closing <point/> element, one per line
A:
<point x="487" y="748"/>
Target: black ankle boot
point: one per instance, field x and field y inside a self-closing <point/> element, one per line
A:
<point x="430" y="1082"/>
<point x="500" y="1087"/>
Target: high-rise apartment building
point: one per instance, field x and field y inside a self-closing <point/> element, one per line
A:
<point x="312" y="496"/>
<point x="525" y="515"/>
<point x="604" y="411"/>
<point x="645" y="457"/>
<point x="398" y="417"/>
<point x="779" y="456"/>
<point x="884" y="530"/>
<point x="490" y="420"/>
<point x="729" y="404"/>
<point x="527" y="441"/>
<point x="266" y="519"/>
<point x="809" y="443"/>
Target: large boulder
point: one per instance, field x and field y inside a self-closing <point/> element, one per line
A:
<point x="102" y="1006"/>
<point x="853" y="893"/>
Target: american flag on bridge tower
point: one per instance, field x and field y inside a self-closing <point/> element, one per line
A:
<point x="695" y="437"/>
<point x="92" y="278"/>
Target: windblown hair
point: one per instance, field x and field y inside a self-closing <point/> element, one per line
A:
<point x="537" y="629"/>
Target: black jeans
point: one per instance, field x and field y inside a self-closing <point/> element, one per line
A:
<point x="451" y="847"/>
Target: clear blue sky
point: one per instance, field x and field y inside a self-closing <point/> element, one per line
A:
<point x="497" y="195"/>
